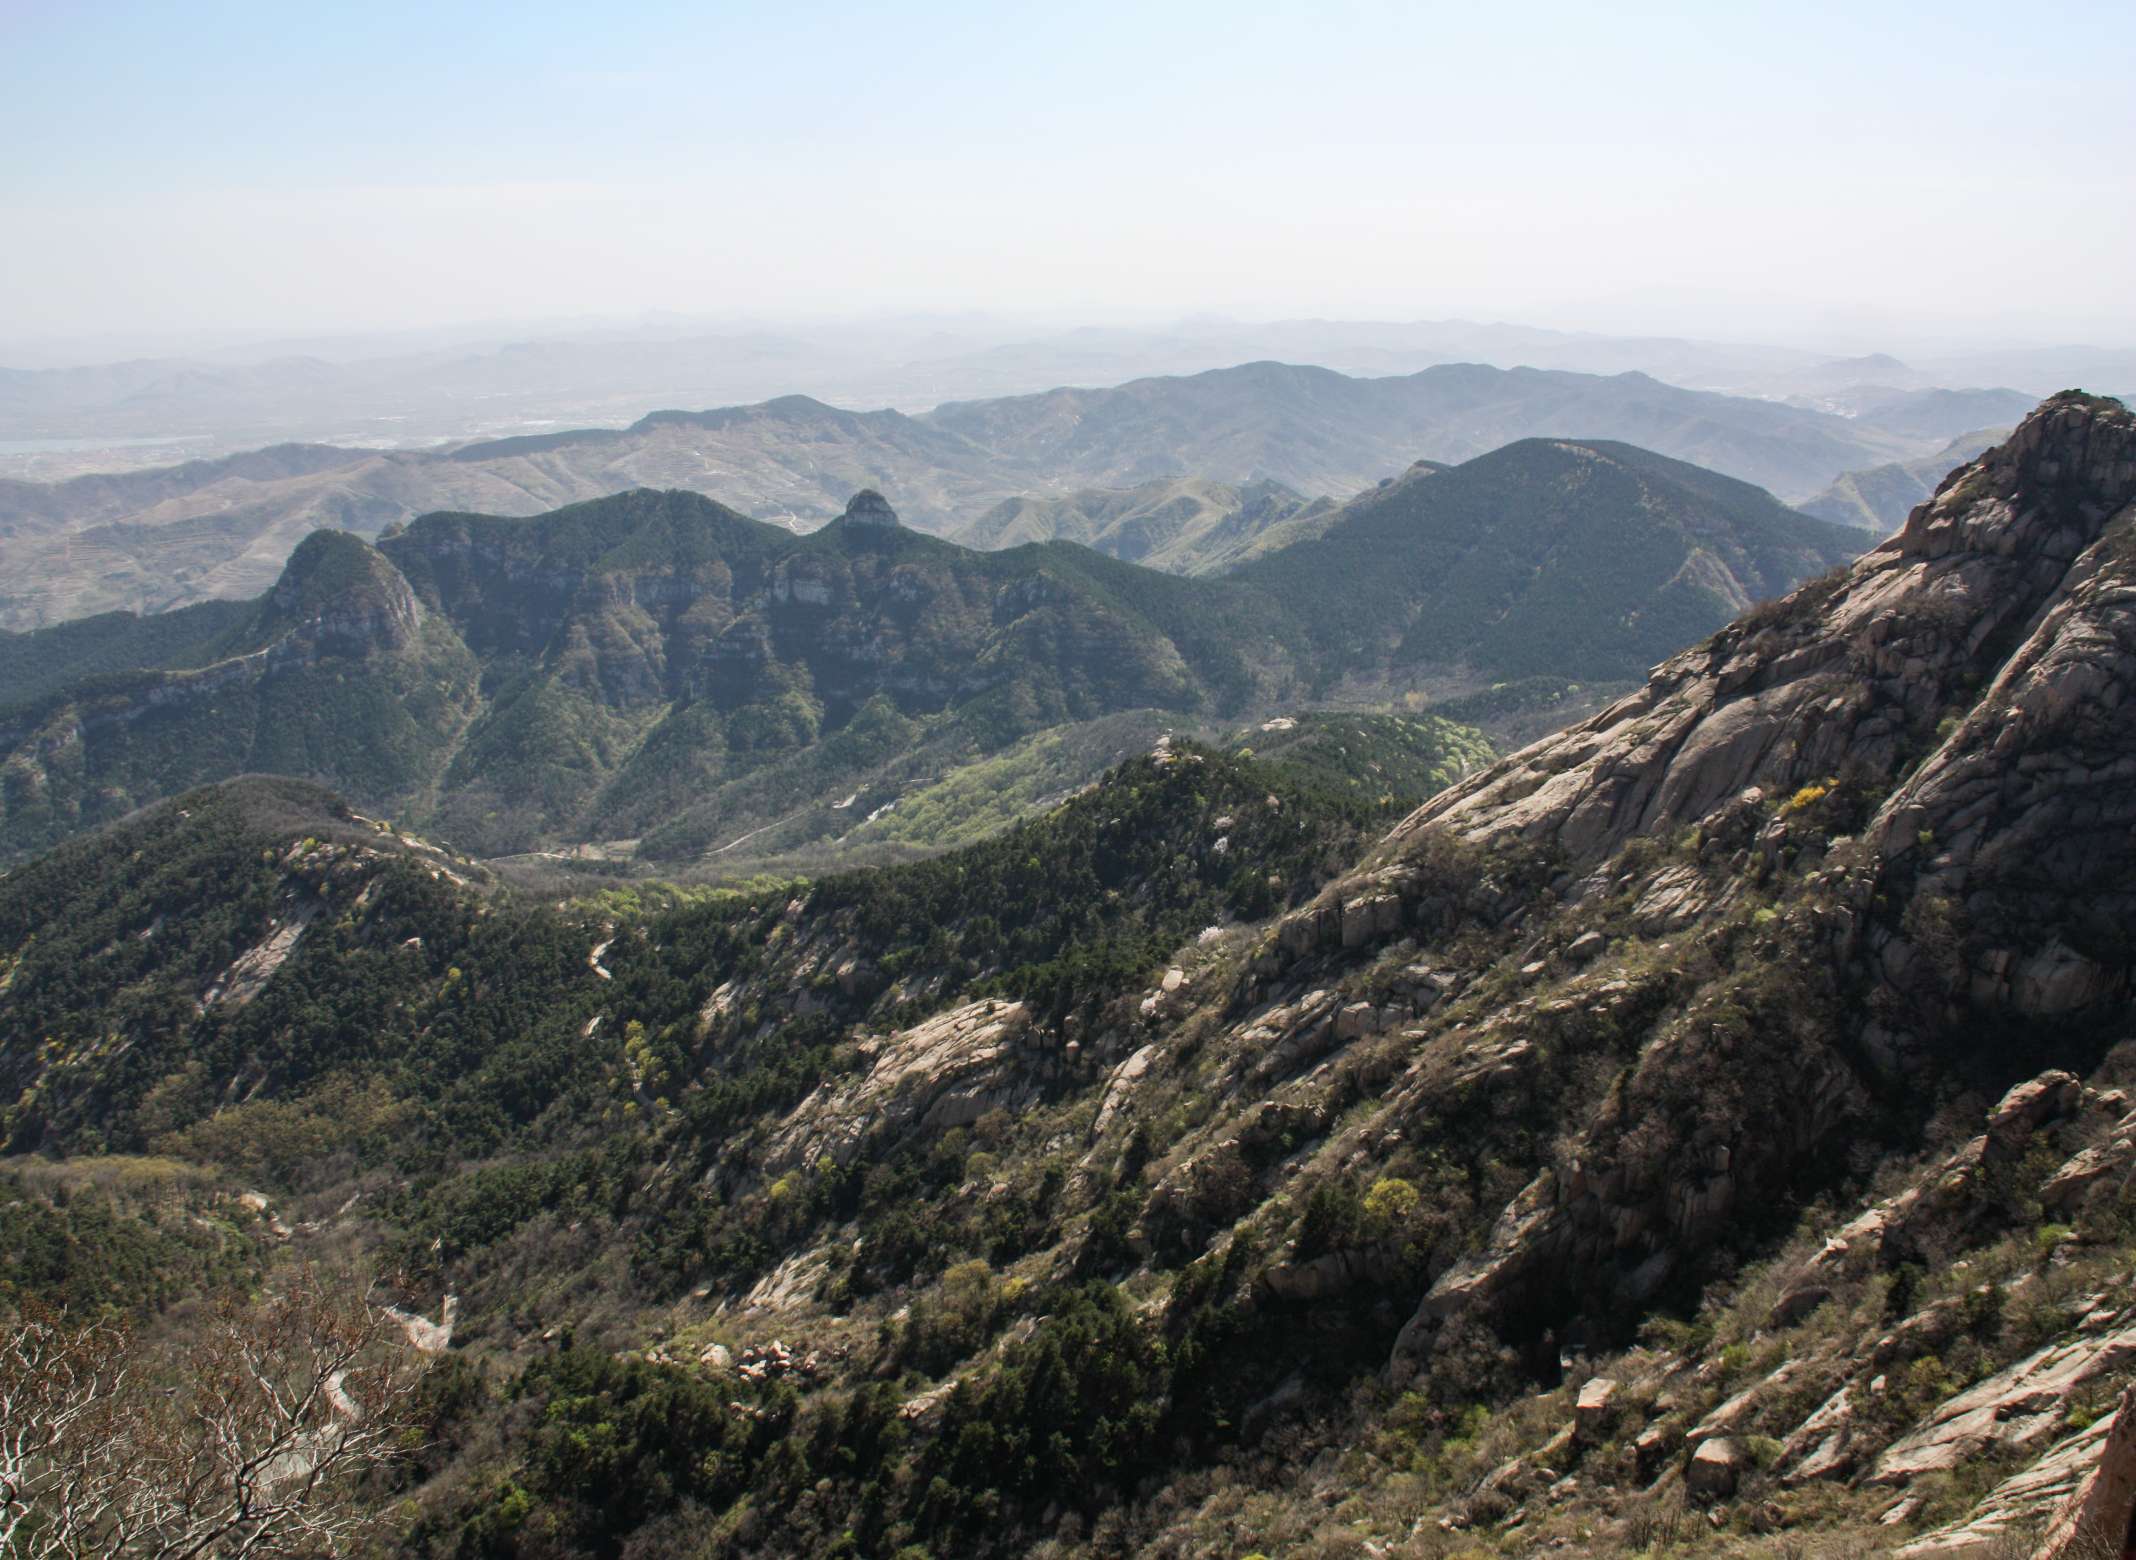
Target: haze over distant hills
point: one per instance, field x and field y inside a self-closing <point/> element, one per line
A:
<point x="205" y="530"/>
<point x="1880" y="498"/>
<point x="1183" y="525"/>
<point x="413" y="389"/>
<point x="1924" y="413"/>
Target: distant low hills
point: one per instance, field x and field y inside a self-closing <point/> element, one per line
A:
<point x="1322" y="432"/>
<point x="1185" y="525"/>
<point x="158" y="539"/>
<point x="654" y="673"/>
<point x="1923" y="412"/>
<point x="1880" y="498"/>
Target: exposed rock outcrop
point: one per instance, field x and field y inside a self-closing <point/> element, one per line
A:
<point x="1833" y="677"/>
<point x="424" y="1335"/>
<point x="2084" y="1487"/>
<point x="946" y="1072"/>
<point x="2094" y="1171"/>
<point x="2013" y="1409"/>
<point x="868" y="507"/>
<point x="1931" y="744"/>
<point x="2100" y="1516"/>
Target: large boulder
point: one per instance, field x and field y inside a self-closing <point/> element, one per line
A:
<point x="1716" y="1468"/>
<point x="1594" y="1411"/>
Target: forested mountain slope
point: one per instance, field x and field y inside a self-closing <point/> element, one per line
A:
<point x="1184" y="525"/>
<point x="1707" y="1128"/>
<point x="659" y="676"/>
<point x="606" y="669"/>
<point x="1550" y="557"/>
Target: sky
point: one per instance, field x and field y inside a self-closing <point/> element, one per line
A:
<point x="1889" y="172"/>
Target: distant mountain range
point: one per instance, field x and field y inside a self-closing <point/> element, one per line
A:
<point x="1924" y="413"/>
<point x="1708" y="1128"/>
<point x="152" y="540"/>
<point x="414" y="388"/>
<point x="658" y="670"/>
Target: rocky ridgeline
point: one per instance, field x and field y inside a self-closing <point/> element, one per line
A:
<point x="1636" y="991"/>
<point x="1863" y="847"/>
<point x="1960" y="686"/>
<point x="2007" y="571"/>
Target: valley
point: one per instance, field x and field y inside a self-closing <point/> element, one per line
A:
<point x="1182" y="782"/>
<point x="1221" y="1155"/>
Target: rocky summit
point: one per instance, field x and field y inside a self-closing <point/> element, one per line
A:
<point x="868" y="507"/>
<point x="1709" y="1129"/>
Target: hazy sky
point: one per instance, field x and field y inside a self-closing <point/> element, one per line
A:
<point x="1747" y="170"/>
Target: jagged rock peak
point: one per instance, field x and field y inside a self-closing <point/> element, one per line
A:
<point x="2074" y="451"/>
<point x="343" y="593"/>
<point x="868" y="507"/>
<point x="1846" y="673"/>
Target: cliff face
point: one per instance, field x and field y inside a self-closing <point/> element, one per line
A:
<point x="1927" y="752"/>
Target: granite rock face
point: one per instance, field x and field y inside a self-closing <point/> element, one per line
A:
<point x="944" y="1073"/>
<point x="2017" y="575"/>
<point x="1932" y="745"/>
<point x="2100" y="1512"/>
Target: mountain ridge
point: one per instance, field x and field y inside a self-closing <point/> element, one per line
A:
<point x="1709" y="1125"/>
<point x="1179" y="525"/>
<point x="213" y="529"/>
<point x="615" y="669"/>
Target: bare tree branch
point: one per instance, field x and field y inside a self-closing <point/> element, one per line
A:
<point x="256" y="1441"/>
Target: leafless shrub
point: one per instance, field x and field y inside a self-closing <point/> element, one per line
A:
<point x="256" y="1440"/>
<point x="1653" y="1524"/>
